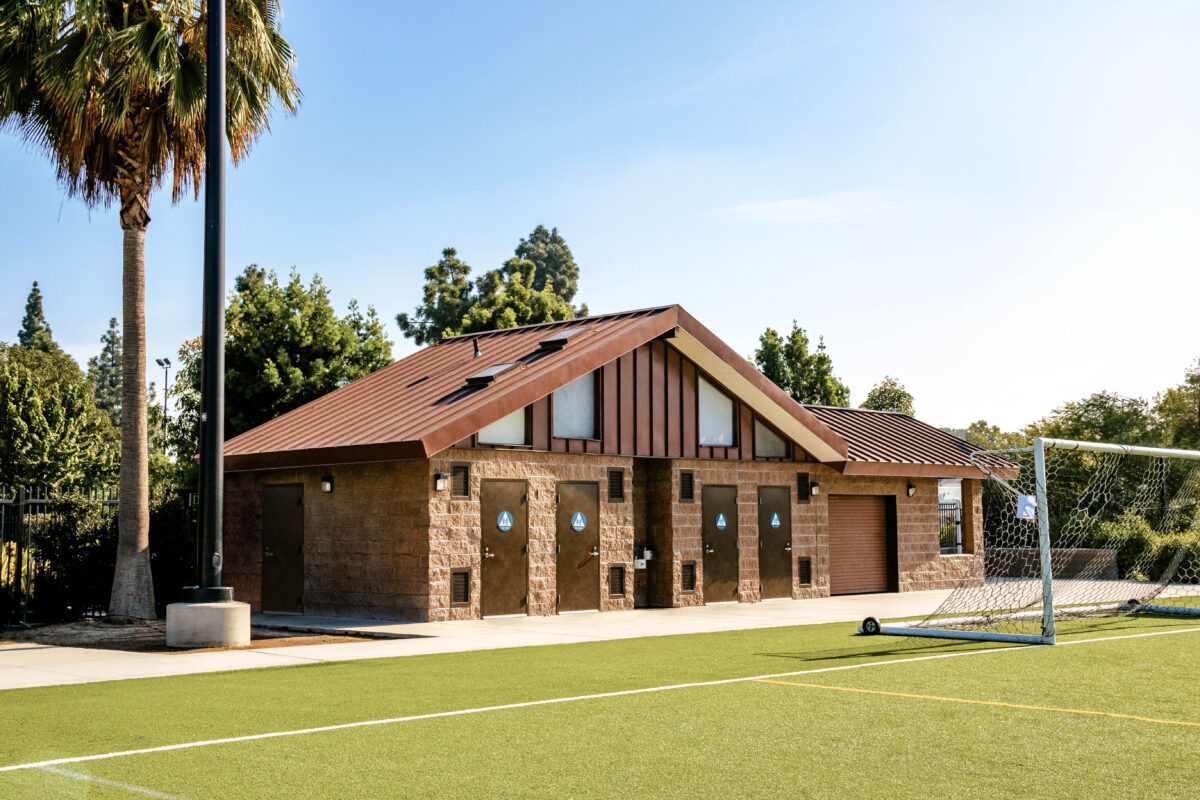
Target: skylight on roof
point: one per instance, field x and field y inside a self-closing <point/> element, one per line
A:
<point x="561" y="338"/>
<point x="486" y="376"/>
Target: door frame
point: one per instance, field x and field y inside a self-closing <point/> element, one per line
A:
<point x="786" y="491"/>
<point x="598" y="486"/>
<point x="524" y="547"/>
<point x="263" y="551"/>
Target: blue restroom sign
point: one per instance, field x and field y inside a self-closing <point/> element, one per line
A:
<point x="721" y="522"/>
<point x="579" y="521"/>
<point x="504" y="521"/>
<point x="775" y="523"/>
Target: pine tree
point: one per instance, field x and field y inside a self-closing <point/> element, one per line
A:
<point x="35" y="331"/>
<point x="806" y="376"/>
<point x="104" y="371"/>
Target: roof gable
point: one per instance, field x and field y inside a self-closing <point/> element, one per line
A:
<point x="433" y="398"/>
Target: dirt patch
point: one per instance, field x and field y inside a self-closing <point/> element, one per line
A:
<point x="150" y="636"/>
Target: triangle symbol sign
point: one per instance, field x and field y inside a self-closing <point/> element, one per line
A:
<point x="775" y="521"/>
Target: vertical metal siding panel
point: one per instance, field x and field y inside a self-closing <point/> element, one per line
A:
<point x="592" y="446"/>
<point x="628" y="406"/>
<point x="541" y="424"/>
<point x="642" y="398"/>
<point x="658" y="399"/>
<point x="746" y="439"/>
<point x="673" y="418"/>
<point x="688" y="408"/>
<point x="610" y="408"/>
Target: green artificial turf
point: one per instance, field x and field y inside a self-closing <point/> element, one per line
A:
<point x="735" y="740"/>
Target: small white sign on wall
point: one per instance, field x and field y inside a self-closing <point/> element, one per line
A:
<point x="1026" y="506"/>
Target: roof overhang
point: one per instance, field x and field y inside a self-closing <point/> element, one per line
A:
<point x="900" y="470"/>
<point x="325" y="456"/>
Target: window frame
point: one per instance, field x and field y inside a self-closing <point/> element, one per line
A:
<point x="733" y="415"/>
<point x="597" y="411"/>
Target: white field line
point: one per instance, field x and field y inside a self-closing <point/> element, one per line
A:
<point x="166" y="748"/>
<point x="129" y="787"/>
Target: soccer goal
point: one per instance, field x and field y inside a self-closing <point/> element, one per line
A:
<point x="1073" y="530"/>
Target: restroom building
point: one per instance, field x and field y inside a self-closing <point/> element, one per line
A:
<point x="603" y="463"/>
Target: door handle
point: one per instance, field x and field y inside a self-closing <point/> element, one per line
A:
<point x="488" y="553"/>
<point x="268" y="552"/>
<point x="708" y="548"/>
<point x="595" y="551"/>
<point x="787" y="548"/>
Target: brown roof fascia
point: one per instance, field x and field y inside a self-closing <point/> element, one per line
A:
<point x="358" y="454"/>
<point x="901" y="470"/>
<point x="762" y="382"/>
<point x="521" y="393"/>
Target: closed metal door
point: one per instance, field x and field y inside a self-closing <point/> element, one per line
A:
<point x="775" y="541"/>
<point x="858" y="546"/>
<point x="283" y="549"/>
<point x="578" y="558"/>
<point x="720" y="531"/>
<point x="505" y="539"/>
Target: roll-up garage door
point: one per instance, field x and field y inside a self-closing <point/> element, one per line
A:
<point x="858" y="551"/>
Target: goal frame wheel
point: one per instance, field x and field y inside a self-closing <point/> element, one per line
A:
<point x="870" y="626"/>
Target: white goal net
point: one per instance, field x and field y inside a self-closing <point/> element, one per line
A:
<point x="1074" y="530"/>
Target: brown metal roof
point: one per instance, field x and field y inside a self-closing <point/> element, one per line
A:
<point x="891" y="443"/>
<point x="423" y="403"/>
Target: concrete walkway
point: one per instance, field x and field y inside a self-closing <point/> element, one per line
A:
<point x="24" y="665"/>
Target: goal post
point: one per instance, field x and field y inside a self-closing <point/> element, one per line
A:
<point x="1074" y="530"/>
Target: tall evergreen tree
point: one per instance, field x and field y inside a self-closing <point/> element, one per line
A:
<point x="35" y="331"/>
<point x="104" y="371"/>
<point x="806" y="376"/>
<point x="446" y="301"/>
<point x="553" y="263"/>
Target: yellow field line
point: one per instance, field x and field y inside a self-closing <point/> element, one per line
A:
<point x="997" y="703"/>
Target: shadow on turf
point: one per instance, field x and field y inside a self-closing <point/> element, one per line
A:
<point x="1107" y="625"/>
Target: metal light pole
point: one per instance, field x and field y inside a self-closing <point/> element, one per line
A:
<point x="165" y="363"/>
<point x="212" y="390"/>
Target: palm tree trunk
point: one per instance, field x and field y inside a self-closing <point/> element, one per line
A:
<point x="133" y="589"/>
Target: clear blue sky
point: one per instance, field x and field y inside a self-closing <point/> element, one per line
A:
<point x="995" y="203"/>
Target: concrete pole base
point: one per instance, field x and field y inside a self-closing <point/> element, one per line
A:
<point x="191" y="625"/>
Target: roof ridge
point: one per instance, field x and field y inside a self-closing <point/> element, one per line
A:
<point x="862" y="410"/>
<point x="573" y="320"/>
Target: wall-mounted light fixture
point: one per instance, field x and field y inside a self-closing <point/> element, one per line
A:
<point x="814" y="488"/>
<point x="440" y="481"/>
<point x="912" y="489"/>
<point x="327" y="484"/>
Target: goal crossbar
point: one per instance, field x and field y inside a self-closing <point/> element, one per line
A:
<point x="993" y="465"/>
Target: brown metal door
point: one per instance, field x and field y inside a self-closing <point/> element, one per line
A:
<point x="720" y="530"/>
<point x="505" y="526"/>
<point x="858" y="551"/>
<point x="578" y="523"/>
<point x="283" y="549"/>
<point x="775" y="541"/>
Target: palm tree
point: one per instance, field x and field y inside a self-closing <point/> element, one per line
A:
<point x="113" y="91"/>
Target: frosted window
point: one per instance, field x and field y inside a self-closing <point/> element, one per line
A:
<point x="506" y="430"/>
<point x="716" y="415"/>
<point x="767" y="443"/>
<point x="575" y="409"/>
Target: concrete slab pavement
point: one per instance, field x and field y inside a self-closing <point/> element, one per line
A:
<point x="23" y="665"/>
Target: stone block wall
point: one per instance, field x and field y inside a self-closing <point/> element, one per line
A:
<point x="365" y="549"/>
<point x="455" y="529"/>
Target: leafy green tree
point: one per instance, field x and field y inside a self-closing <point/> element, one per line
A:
<point x="35" y="331"/>
<point x="104" y="371"/>
<point x="284" y="346"/>
<point x="1100" y="417"/>
<point x="446" y="301"/>
<point x="1177" y="412"/>
<point x="114" y="93"/>
<point x="889" y="395"/>
<point x="806" y="376"/>
<point x="507" y="299"/>
<point x="990" y="437"/>
<point x="553" y="263"/>
<point x="50" y="429"/>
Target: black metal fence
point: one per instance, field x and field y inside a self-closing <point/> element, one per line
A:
<point x="25" y="511"/>
<point x="950" y="526"/>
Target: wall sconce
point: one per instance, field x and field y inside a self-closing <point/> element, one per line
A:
<point x="327" y="484"/>
<point x="440" y="481"/>
<point x="912" y="489"/>
<point x="814" y="488"/>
